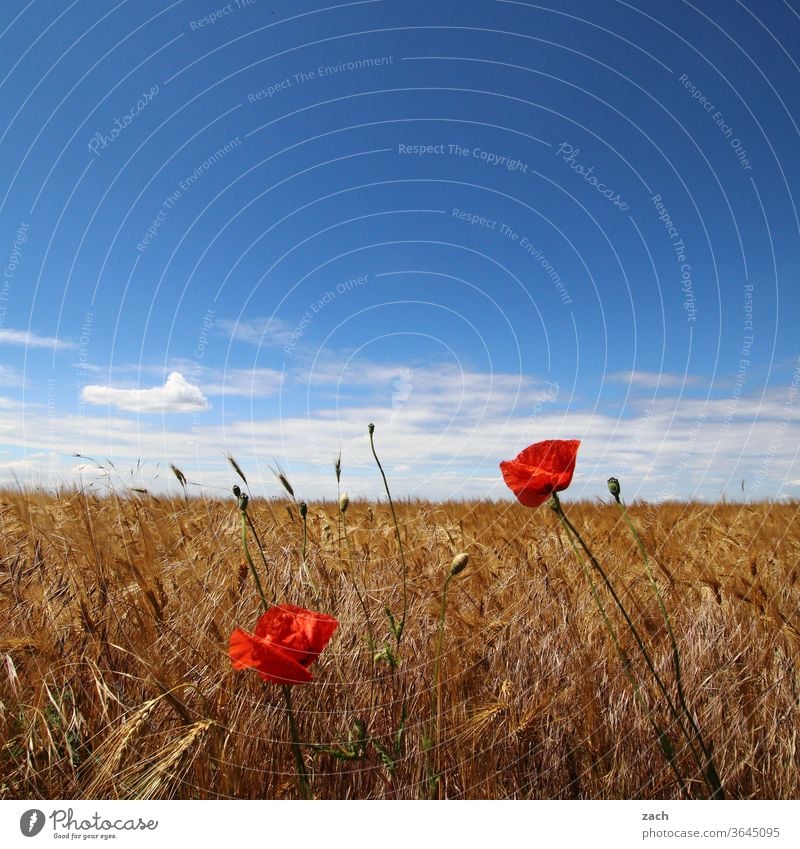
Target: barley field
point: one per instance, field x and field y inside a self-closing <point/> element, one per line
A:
<point x="116" y="682"/>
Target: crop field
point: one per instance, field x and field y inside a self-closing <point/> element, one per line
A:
<point x="116" y="680"/>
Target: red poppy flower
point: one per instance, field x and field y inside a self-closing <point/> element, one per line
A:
<point x="540" y="470"/>
<point x="287" y="640"/>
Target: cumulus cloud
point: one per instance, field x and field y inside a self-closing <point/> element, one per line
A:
<point x="177" y="395"/>
<point x="28" y="339"/>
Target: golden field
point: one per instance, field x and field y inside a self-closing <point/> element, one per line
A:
<point x="115" y="680"/>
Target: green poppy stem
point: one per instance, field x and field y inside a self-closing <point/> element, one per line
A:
<point x="628" y="621"/>
<point x="297" y="749"/>
<point x="244" y="519"/>
<point x="663" y="740"/>
<point x="401" y="626"/>
<point x="710" y="772"/>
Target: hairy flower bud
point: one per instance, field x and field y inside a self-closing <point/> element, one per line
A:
<point x="303" y="509"/>
<point x="236" y="491"/>
<point x="371" y="428"/>
<point x="613" y="487"/>
<point x="244" y="500"/>
<point x="344" y="502"/>
<point x="459" y="563"/>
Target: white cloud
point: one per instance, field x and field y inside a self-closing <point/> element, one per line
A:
<point x="10" y="378"/>
<point x="244" y="382"/>
<point x="654" y="380"/>
<point x="240" y="382"/>
<point x="28" y="339"/>
<point x="177" y="395"/>
<point x="263" y="332"/>
<point x="443" y="438"/>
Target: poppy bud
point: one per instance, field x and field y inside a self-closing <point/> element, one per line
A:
<point x="371" y="428"/>
<point x="613" y="487"/>
<point x="243" y="501"/>
<point x="303" y="509"/>
<point x="459" y="563"/>
<point x="236" y="491"/>
<point x="344" y="501"/>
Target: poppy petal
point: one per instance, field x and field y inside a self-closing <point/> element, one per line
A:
<point x="540" y="470"/>
<point x="249" y="652"/>
<point x="555" y="455"/>
<point x="241" y="649"/>
<point x="302" y="634"/>
<point x="520" y="480"/>
<point x="287" y="640"/>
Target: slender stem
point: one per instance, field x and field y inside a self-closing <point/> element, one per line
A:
<point x="621" y="652"/>
<point x="258" y="540"/>
<point x="264" y="602"/>
<point x="302" y="774"/>
<point x="304" y="573"/>
<point x="648" y="661"/>
<point x="401" y="626"/>
<point x="711" y="775"/>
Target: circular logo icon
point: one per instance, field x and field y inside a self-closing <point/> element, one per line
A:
<point x="31" y="822"/>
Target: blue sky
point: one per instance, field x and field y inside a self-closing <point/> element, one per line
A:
<point x="255" y="227"/>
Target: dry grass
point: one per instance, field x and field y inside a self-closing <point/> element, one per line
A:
<point x="115" y="680"/>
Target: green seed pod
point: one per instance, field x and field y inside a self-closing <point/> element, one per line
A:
<point x="244" y="500"/>
<point x="459" y="563"/>
<point x="613" y="487"/>
<point x="303" y="509"/>
<point x="371" y="428"/>
<point x="236" y="491"/>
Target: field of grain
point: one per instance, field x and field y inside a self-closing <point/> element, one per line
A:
<point x="115" y="679"/>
